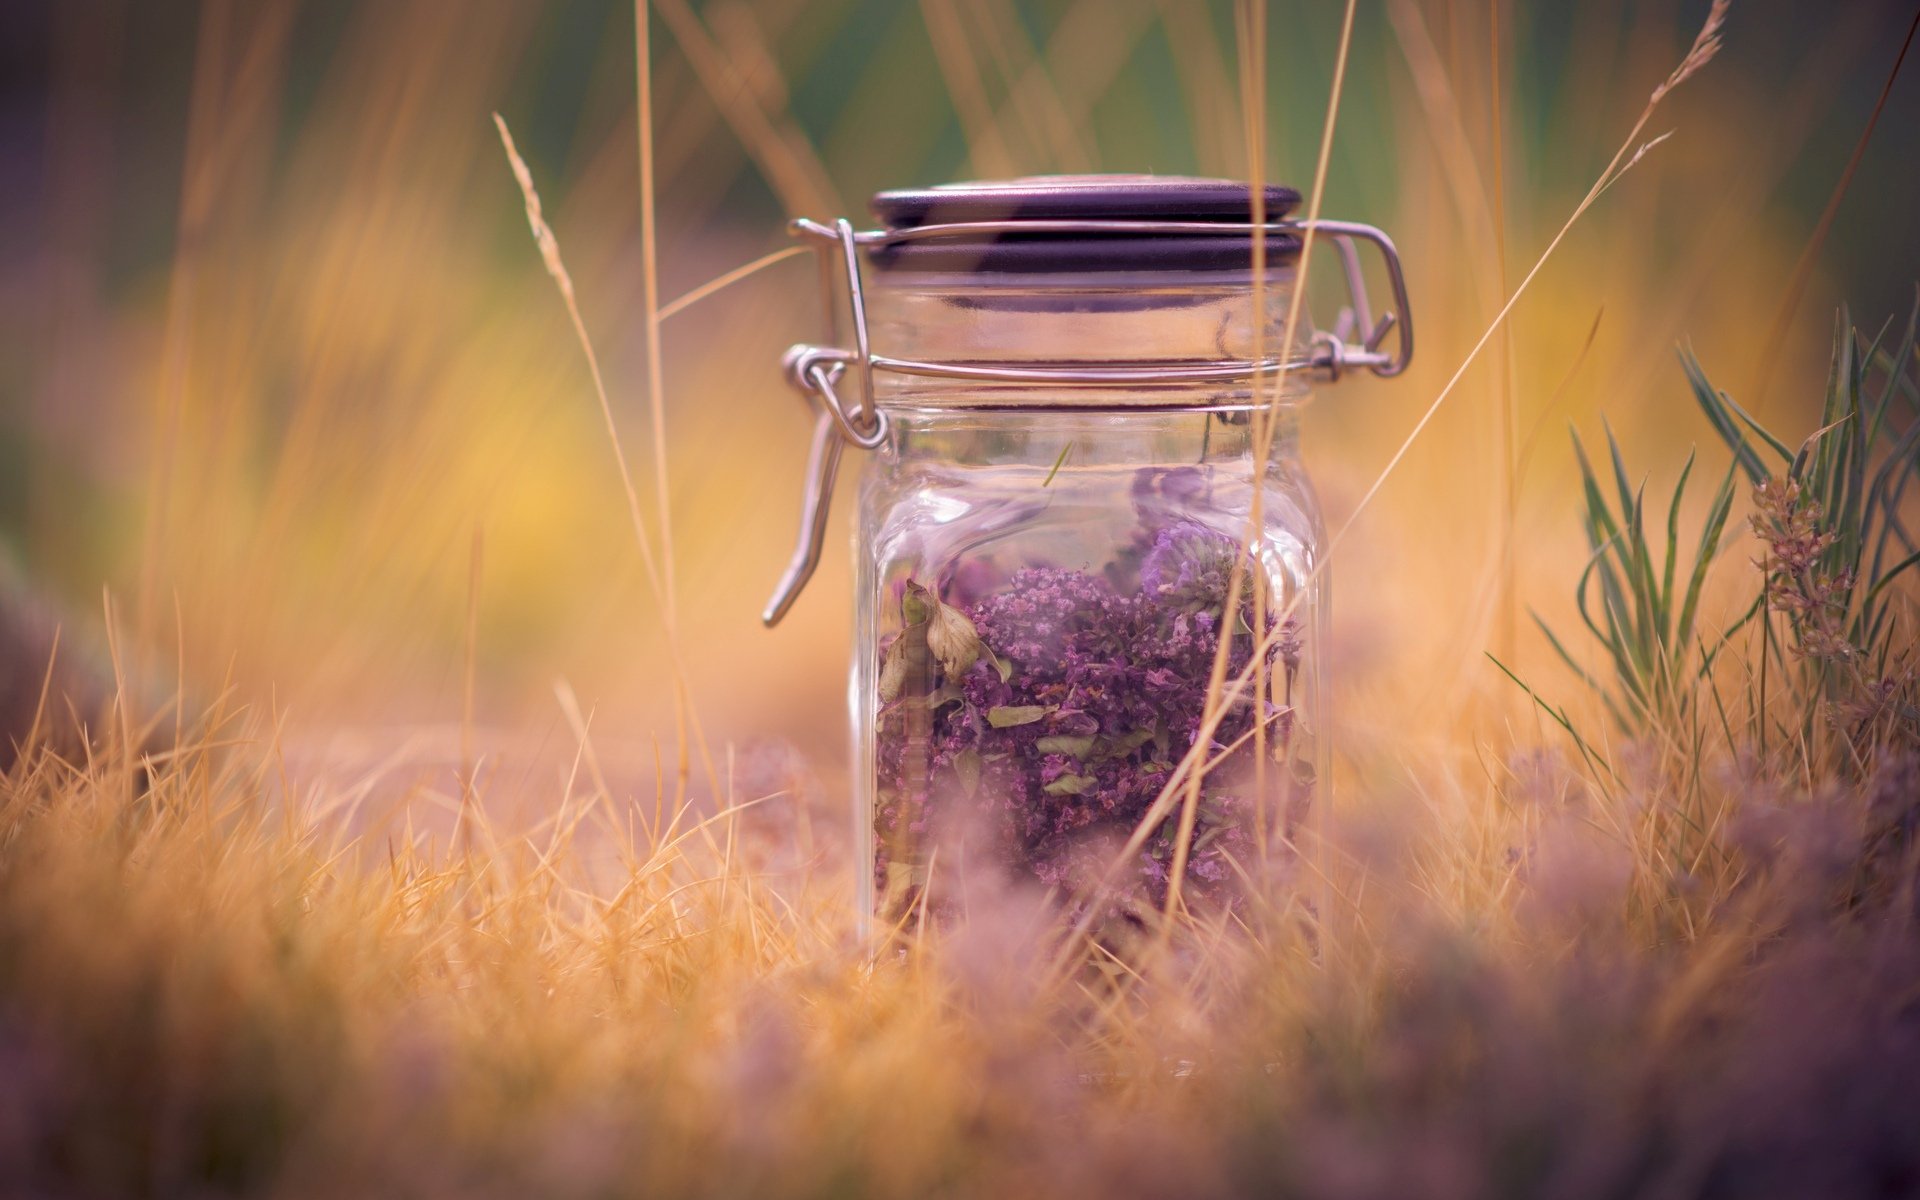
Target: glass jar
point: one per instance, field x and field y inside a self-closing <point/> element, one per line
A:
<point x="1085" y="541"/>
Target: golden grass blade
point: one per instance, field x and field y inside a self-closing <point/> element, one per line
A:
<point x="1528" y="446"/>
<point x="1485" y="236"/>
<point x="650" y="283"/>
<point x="1041" y="112"/>
<point x="986" y="149"/>
<point x="557" y="268"/>
<point x="32" y="741"/>
<point x="1706" y="44"/>
<point x="1267" y="412"/>
<point x="1185" y="774"/>
<point x="1203" y="78"/>
<point x="656" y="386"/>
<point x="235" y="73"/>
<point x="1506" y="398"/>
<point x="688" y="299"/>
<point x="777" y="146"/>
<point x="1631" y="151"/>
<point x="1803" y="268"/>
<point x="468" y="767"/>
<point x="1084" y="55"/>
<point x="1734" y="223"/>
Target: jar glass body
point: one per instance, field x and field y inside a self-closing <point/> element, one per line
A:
<point x="1044" y="580"/>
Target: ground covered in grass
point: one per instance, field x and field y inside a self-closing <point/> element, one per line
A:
<point x="200" y="995"/>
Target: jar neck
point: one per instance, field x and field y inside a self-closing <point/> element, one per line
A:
<point x="1083" y="321"/>
<point x="1084" y="438"/>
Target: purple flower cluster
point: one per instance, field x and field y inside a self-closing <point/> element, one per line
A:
<point x="1043" y="753"/>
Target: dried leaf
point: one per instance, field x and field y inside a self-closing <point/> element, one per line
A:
<point x="1071" y="785"/>
<point x="950" y="633"/>
<point x="1077" y="747"/>
<point x="1003" y="665"/>
<point x="1076" y="723"/>
<point x="1006" y="716"/>
<point x="1125" y="744"/>
<point x="899" y="661"/>
<point x="952" y="638"/>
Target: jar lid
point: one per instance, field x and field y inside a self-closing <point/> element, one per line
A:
<point x="1038" y="198"/>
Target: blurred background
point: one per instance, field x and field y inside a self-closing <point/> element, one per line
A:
<point x="281" y="372"/>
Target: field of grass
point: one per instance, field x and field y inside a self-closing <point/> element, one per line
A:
<point x="394" y="806"/>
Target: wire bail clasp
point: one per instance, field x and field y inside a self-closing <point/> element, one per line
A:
<point x="818" y="372"/>
<point x="814" y="372"/>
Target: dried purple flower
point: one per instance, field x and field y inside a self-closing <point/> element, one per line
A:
<point x="1061" y="729"/>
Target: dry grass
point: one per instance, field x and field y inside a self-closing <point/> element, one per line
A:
<point x="1527" y="984"/>
<point x="239" y="958"/>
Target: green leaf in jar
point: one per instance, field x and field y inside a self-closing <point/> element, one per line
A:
<point x="1076" y="747"/>
<point x="1072" y="786"/>
<point x="1006" y="716"/>
<point x="1125" y="744"/>
<point x="913" y="604"/>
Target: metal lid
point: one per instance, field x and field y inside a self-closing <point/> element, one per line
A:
<point x="1064" y="198"/>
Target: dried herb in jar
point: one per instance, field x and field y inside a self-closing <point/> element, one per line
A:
<point x="1030" y="730"/>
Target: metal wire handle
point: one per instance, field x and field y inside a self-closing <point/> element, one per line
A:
<point x="816" y="371"/>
